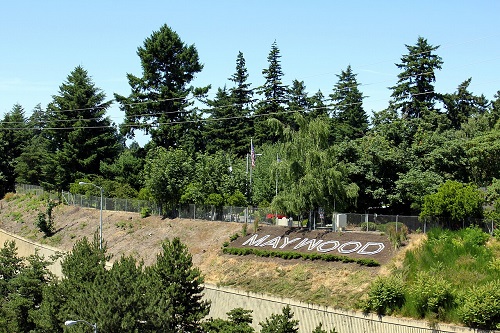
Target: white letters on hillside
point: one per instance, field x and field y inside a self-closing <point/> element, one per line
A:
<point x="370" y="248"/>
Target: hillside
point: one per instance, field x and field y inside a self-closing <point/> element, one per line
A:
<point x="335" y="284"/>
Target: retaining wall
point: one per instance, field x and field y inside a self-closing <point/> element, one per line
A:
<point x="263" y="306"/>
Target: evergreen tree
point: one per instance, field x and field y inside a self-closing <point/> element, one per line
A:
<point x="495" y="108"/>
<point x="414" y="93"/>
<point x="298" y="101"/>
<point x="239" y="321"/>
<point x="317" y="106"/>
<point x="350" y="119"/>
<point x="22" y="281"/>
<point x="80" y="134"/>
<point x="158" y="103"/>
<point x="14" y="136"/>
<point x="127" y="168"/>
<point x="174" y="291"/>
<point x="274" y="97"/>
<point x="462" y="105"/>
<point x="241" y="96"/>
<point x="220" y="133"/>
<point x="280" y="323"/>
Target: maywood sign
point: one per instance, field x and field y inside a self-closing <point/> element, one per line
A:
<point x="320" y="245"/>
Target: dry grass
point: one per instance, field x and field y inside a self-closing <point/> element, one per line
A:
<point x="335" y="284"/>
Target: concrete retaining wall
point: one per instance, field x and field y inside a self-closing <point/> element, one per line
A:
<point x="226" y="299"/>
<point x="25" y="248"/>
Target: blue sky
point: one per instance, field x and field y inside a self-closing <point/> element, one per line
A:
<point x="43" y="41"/>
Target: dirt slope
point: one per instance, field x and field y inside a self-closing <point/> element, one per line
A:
<point x="333" y="284"/>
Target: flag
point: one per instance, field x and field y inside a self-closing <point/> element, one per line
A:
<point x="252" y="154"/>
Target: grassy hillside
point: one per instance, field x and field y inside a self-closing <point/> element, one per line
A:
<point x="437" y="276"/>
<point x="335" y="284"/>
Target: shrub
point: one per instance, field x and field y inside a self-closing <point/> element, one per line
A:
<point x="298" y="255"/>
<point x="397" y="234"/>
<point x="145" y="212"/>
<point x="244" y="229"/>
<point x="480" y="306"/>
<point x="386" y="295"/>
<point x="474" y="236"/>
<point x="368" y="226"/>
<point x="496" y="233"/>
<point x="9" y="196"/>
<point x="45" y="221"/>
<point x="431" y="294"/>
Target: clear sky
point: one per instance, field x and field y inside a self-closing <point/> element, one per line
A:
<point x="43" y="41"/>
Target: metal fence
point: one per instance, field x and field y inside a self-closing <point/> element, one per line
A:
<point x="90" y="201"/>
<point x="263" y="215"/>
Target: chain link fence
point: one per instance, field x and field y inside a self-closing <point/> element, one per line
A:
<point x="317" y="219"/>
<point x="90" y="201"/>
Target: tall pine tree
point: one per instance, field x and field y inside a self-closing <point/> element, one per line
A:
<point x="274" y="97"/>
<point x="14" y="136"/>
<point x="158" y="103"/>
<point x="414" y="93"/>
<point x="350" y="119"/>
<point x="80" y="133"/>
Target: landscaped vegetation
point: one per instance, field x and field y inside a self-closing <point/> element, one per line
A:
<point x="428" y="153"/>
<point x="453" y="276"/>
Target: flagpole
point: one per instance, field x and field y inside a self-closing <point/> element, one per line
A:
<point x="277" y="160"/>
<point x="251" y="167"/>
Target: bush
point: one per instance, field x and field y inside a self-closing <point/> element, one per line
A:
<point x="368" y="226"/>
<point x="145" y="212"/>
<point x="386" y="295"/>
<point x="474" y="236"/>
<point x="397" y="236"/>
<point x="432" y="295"/>
<point x="298" y="255"/>
<point x="45" y="221"/>
<point x="481" y="306"/>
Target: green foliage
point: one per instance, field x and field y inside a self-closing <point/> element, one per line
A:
<point x="443" y="270"/>
<point x="452" y="203"/>
<point x="229" y="126"/>
<point x="12" y="143"/>
<point x="480" y="307"/>
<point x="174" y="291"/>
<point x="298" y="255"/>
<point x="237" y="199"/>
<point x="350" y="120"/>
<point x="145" y="212"/>
<point x="45" y="221"/>
<point x="431" y="295"/>
<point x="168" y="66"/>
<point x="473" y="236"/>
<point x="319" y="329"/>
<point x="90" y="138"/>
<point x="280" y="323"/>
<point x="21" y="288"/>
<point x="239" y="321"/>
<point x="214" y="199"/>
<point x="398" y="234"/>
<point x="386" y="295"/>
<point x="368" y="226"/>
<point x="167" y="173"/>
<point x="415" y="97"/>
